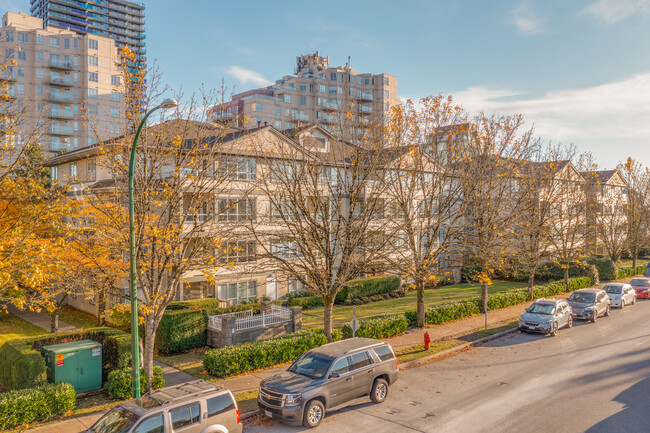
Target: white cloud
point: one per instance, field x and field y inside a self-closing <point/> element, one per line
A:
<point x="246" y="75"/>
<point x="611" y="11"/>
<point x="525" y="19"/>
<point x="610" y="119"/>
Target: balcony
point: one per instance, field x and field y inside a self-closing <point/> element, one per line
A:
<point x="365" y="110"/>
<point x="56" y="64"/>
<point x="365" y="96"/>
<point x="61" y="114"/>
<point x="61" y="130"/>
<point x="329" y="107"/>
<point x="57" y="97"/>
<point x="61" y="82"/>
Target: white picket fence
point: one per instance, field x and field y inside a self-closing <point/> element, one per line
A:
<point x="247" y="320"/>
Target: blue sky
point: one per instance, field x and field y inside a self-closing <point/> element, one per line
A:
<point x="579" y="70"/>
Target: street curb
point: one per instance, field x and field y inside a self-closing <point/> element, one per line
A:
<point x="249" y="414"/>
<point x="453" y="350"/>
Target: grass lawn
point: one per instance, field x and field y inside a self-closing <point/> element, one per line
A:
<point x="417" y="351"/>
<point x="189" y="362"/>
<point x="627" y="263"/>
<point x="491" y="331"/>
<point x="313" y="318"/>
<point x="12" y="327"/>
<point x="77" y="318"/>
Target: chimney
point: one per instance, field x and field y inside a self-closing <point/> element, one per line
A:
<point x="259" y="124"/>
<point x="265" y="123"/>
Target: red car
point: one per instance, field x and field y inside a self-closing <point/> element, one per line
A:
<point x="641" y="287"/>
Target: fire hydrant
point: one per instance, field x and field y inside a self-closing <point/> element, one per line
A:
<point x="427" y="340"/>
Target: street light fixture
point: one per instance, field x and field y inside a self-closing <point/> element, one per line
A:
<point x="135" y="340"/>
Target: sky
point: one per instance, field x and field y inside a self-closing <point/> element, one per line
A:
<point x="578" y="70"/>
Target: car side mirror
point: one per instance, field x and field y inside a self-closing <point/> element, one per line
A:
<point x="334" y="375"/>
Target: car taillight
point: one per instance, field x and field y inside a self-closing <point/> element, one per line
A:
<point x="238" y="414"/>
<point x="396" y="364"/>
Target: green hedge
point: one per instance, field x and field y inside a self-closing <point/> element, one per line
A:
<point x="23" y="366"/>
<point x="244" y="357"/>
<point x="445" y="312"/>
<point x="119" y="383"/>
<point x="35" y="404"/>
<point x="607" y="269"/>
<point x="364" y="287"/>
<point x="378" y="327"/>
<point x="306" y="302"/>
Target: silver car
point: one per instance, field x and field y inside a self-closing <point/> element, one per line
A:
<point x="588" y="304"/>
<point x="546" y="316"/>
<point x="620" y="294"/>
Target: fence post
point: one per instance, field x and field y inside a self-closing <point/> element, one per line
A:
<point x="296" y="318"/>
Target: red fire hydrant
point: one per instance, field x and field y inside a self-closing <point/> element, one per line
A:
<point x="427" y="340"/>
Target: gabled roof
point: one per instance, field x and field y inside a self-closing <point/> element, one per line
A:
<point x="598" y="177"/>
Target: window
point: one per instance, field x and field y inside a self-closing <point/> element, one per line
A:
<point x="359" y="360"/>
<point x="39" y="89"/>
<point x="384" y="353"/>
<point x="39" y="73"/>
<point x="278" y="124"/>
<point x="115" y="112"/>
<point x="92" y="76"/>
<point x="219" y="404"/>
<point x="366" y="80"/>
<point x="76" y="61"/>
<point x="256" y="106"/>
<point x="73" y="169"/>
<point x="10" y="36"/>
<point x="20" y="89"/>
<point x="185" y="416"/>
<point x="93" y="60"/>
<point x="278" y="111"/>
<point x="39" y="56"/>
<point x="303" y="87"/>
<point x="153" y="424"/>
<point x="22" y="55"/>
<point x="55" y="42"/>
<point x="91" y="169"/>
<point x="282" y="171"/>
<point x="20" y="71"/>
<point x="235" y="167"/>
<point x="385" y="81"/>
<point x="92" y="93"/>
<point x="332" y="76"/>
<point x="115" y="80"/>
<point x="66" y="43"/>
<point x="23" y="38"/>
<point x="115" y="96"/>
<point x="92" y="109"/>
<point x="76" y="44"/>
<point x="341" y="366"/>
<point x="92" y="44"/>
<point x="322" y="88"/>
<point x="295" y="285"/>
<point x="303" y="100"/>
<point x="54" y="173"/>
<point x="332" y="90"/>
<point x="75" y="77"/>
<point x="286" y="98"/>
<point x="285" y="249"/>
<point x="239" y="290"/>
<point x="232" y="209"/>
<point x="385" y="93"/>
<point x="39" y="39"/>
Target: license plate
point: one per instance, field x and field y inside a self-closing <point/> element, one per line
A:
<point x="269" y="414"/>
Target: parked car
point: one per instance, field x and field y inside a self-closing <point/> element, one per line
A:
<point x="546" y="316"/>
<point x="194" y="407"/>
<point x="641" y="287"/>
<point x="620" y="294"/>
<point x="328" y="378"/>
<point x="588" y="304"/>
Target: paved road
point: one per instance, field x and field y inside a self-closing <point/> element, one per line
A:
<point x="593" y="378"/>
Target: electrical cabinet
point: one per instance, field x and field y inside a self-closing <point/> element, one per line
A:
<point x="78" y="363"/>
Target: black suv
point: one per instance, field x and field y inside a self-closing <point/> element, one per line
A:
<point x="328" y="378"/>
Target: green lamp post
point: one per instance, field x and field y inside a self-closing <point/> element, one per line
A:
<point x="135" y="343"/>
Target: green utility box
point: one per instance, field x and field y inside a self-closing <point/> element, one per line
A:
<point x="78" y="363"/>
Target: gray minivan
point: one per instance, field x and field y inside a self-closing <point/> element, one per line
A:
<point x="328" y="378"/>
<point x="193" y="407"/>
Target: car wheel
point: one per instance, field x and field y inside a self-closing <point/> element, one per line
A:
<point x="595" y="316"/>
<point x="314" y="414"/>
<point x="570" y="322"/>
<point x="634" y="300"/>
<point x="379" y="391"/>
<point x="554" y="330"/>
<point x="622" y="303"/>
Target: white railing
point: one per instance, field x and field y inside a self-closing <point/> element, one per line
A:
<point x="280" y="315"/>
<point x="215" y="321"/>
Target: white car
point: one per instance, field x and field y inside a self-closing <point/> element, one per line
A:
<point x="620" y="294"/>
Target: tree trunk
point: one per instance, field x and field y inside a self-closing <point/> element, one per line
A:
<point x="54" y="321"/>
<point x="101" y="308"/>
<point x="420" y="304"/>
<point x="147" y="358"/>
<point x="531" y="283"/>
<point x="635" y="253"/>
<point x="566" y="278"/>
<point x="484" y="298"/>
<point x="328" y="303"/>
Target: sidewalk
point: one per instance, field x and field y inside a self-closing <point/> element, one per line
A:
<point x="250" y="382"/>
<point x="42" y="320"/>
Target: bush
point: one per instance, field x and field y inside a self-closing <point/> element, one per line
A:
<point x="305" y="302"/>
<point x="244" y="357"/>
<point x="606" y="267"/>
<point x="399" y="293"/>
<point x="378" y="327"/>
<point x="441" y="313"/>
<point x="365" y="287"/>
<point x="36" y="404"/>
<point x="22" y="366"/>
<point x="119" y="383"/>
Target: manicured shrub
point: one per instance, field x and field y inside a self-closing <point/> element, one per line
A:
<point x="244" y="357"/>
<point x="119" y="383"/>
<point x="35" y="404"/>
<point x="22" y="366"/>
<point x="378" y="327"/>
<point x="364" y="287"/>
<point x="606" y="267"/>
<point x="305" y="302"/>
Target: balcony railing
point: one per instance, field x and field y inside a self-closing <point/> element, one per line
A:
<point x="61" y="130"/>
<point x="61" y="82"/>
<point x="365" y="96"/>
<point x="57" y="97"/>
<point x="61" y="114"/>
<point x="366" y="110"/>
<point x="56" y="64"/>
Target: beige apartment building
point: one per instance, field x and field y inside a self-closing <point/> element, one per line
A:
<point x="62" y="80"/>
<point x="315" y="94"/>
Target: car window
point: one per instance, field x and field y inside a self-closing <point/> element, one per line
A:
<point x="220" y="404"/>
<point x="639" y="282"/>
<point x="116" y="420"/>
<point x="342" y="365"/>
<point x="582" y="297"/>
<point x="542" y="308"/>
<point x="616" y="290"/>
<point x="153" y="424"/>
<point x="185" y="416"/>
<point x="312" y="365"/>
<point x="359" y="360"/>
<point x="383" y="352"/>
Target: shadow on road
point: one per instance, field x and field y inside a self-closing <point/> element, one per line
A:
<point x="633" y="418"/>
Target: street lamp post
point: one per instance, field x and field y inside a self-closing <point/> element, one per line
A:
<point x="135" y="339"/>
